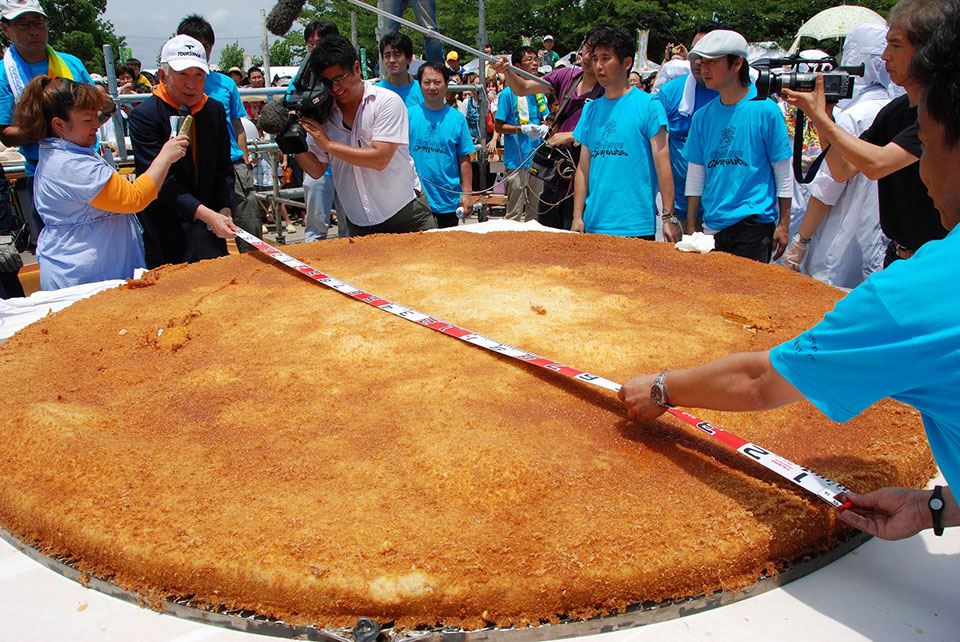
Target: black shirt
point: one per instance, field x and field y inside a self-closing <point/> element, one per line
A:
<point x="907" y="213"/>
<point x="204" y="175"/>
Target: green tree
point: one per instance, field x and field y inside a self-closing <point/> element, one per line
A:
<point x="231" y="55"/>
<point x="75" y="27"/>
<point x="281" y="53"/>
<point x="509" y="21"/>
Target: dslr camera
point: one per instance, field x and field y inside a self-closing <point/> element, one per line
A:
<point x="777" y="74"/>
<point x="312" y="97"/>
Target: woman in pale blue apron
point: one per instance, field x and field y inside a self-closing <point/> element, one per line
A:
<point x="86" y="206"/>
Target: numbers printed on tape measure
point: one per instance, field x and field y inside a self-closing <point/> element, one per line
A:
<point x="820" y="486"/>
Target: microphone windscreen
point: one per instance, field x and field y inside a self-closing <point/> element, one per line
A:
<point x="283" y="15"/>
<point x="273" y="119"/>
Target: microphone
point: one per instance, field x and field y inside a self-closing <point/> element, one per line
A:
<point x="282" y="16"/>
<point x="186" y="121"/>
<point x="274" y="118"/>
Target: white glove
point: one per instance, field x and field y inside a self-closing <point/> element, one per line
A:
<point x="10" y="260"/>
<point x="793" y="255"/>
<point x="534" y="131"/>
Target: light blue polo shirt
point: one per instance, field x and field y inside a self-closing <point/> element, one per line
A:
<point x="738" y="145"/>
<point x="896" y="335"/>
<point x="221" y="88"/>
<point x="437" y="138"/>
<point x="622" y="187"/>
<point x="80" y="243"/>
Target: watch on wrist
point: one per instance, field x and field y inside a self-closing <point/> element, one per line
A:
<point x="658" y="391"/>
<point x="936" y="509"/>
<point x="671" y="219"/>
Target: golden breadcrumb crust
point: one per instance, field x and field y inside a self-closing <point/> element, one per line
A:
<point x="232" y="431"/>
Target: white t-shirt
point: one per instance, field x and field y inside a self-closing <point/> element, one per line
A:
<point x="371" y="196"/>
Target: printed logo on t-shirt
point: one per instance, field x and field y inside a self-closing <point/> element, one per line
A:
<point x="723" y="155"/>
<point x="430" y="143"/>
<point x="607" y="147"/>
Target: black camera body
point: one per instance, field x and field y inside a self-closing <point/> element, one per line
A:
<point x="312" y="98"/>
<point x="837" y="84"/>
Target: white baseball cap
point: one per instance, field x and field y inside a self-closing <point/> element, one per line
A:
<point x="182" y="52"/>
<point x="13" y="8"/>
<point x="547" y="37"/>
<point x="718" y="44"/>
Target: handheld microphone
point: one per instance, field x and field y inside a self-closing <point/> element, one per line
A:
<point x="283" y="15"/>
<point x="274" y="118"/>
<point x="186" y="123"/>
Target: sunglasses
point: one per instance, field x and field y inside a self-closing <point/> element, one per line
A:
<point x="107" y="112"/>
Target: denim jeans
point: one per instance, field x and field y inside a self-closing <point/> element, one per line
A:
<point x="318" y="197"/>
<point x="426" y="14"/>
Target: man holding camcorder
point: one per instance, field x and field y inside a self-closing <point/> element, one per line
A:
<point x="889" y="150"/>
<point x="366" y="141"/>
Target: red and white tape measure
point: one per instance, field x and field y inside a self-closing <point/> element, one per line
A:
<point x="822" y="487"/>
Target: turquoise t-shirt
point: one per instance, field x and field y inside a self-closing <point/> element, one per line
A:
<point x="678" y="127"/>
<point x="622" y="187"/>
<point x="896" y="335"/>
<point x="437" y="138"/>
<point x="409" y="93"/>
<point x="31" y="152"/>
<point x="517" y="148"/>
<point x="738" y="144"/>
<point x="221" y="88"/>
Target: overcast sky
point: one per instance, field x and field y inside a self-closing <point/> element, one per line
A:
<point x="148" y="23"/>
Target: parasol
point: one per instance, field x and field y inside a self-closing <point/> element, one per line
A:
<point x="835" y="22"/>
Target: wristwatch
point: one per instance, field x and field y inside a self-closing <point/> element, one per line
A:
<point x="672" y="218"/>
<point x="936" y="509"/>
<point x="658" y="391"/>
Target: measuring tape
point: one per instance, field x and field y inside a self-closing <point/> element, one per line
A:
<point x="822" y="487"/>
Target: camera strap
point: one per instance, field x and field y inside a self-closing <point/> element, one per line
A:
<point x="798" y="153"/>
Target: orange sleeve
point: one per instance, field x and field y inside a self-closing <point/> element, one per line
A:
<point x="121" y="196"/>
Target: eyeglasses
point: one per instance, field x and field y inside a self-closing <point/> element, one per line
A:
<point x="107" y="112"/>
<point x="24" y="25"/>
<point x="339" y="79"/>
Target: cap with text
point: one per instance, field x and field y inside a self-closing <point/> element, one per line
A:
<point x="718" y="44"/>
<point x="182" y="52"/>
<point x="10" y="9"/>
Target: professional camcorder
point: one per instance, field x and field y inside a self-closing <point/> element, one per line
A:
<point x="312" y="97"/>
<point x="777" y="74"/>
<point x="782" y="73"/>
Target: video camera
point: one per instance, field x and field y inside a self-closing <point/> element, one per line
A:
<point x="312" y="97"/>
<point x="774" y="77"/>
<point x="777" y="74"/>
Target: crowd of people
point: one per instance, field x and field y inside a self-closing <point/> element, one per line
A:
<point x="585" y="148"/>
<point x="702" y="152"/>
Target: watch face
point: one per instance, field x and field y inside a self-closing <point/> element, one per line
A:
<point x="656" y="394"/>
<point x="936" y="503"/>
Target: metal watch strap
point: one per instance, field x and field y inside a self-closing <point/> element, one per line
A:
<point x="936" y="509"/>
<point x="659" y="386"/>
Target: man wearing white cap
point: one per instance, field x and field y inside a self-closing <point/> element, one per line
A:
<point x="739" y="156"/>
<point x="192" y="215"/>
<point x="25" y="24"/>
